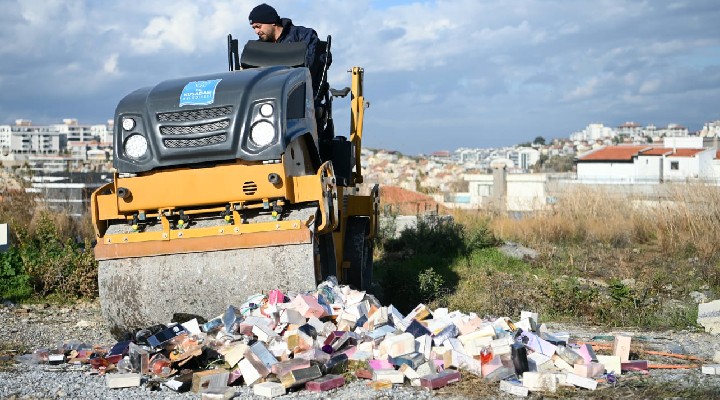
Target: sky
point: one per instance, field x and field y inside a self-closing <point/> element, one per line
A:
<point x="439" y="74"/>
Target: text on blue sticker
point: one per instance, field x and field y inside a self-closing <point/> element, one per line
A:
<point x="199" y="93"/>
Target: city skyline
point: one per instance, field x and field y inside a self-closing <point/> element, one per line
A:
<point x="439" y="75"/>
<point x="80" y="131"/>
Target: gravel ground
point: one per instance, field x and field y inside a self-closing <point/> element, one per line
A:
<point x="25" y="328"/>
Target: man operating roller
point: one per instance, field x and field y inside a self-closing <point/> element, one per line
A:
<point x="271" y="28"/>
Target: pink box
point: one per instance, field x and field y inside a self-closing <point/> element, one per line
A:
<point x="308" y="306"/>
<point x="380" y="364"/>
<point x="286" y="366"/>
<point x="635" y="365"/>
<point x="364" y="374"/>
<point x="275" y="296"/>
<point x="327" y="382"/>
<point x="440" y="379"/>
<point x="589" y="370"/>
<point x="494" y="364"/>
<point x="585" y="354"/>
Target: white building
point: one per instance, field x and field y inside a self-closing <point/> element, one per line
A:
<point x="22" y="139"/>
<point x="710" y="129"/>
<point x="673" y="130"/>
<point x="646" y="164"/>
<point x="52" y="147"/>
<point x="525" y="158"/>
<point x="631" y="129"/>
<point x="594" y="132"/>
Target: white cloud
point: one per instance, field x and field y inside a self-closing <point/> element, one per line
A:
<point x="583" y="91"/>
<point x="650" y="86"/>
<point x="494" y="65"/>
<point x="179" y="30"/>
<point x="110" y="65"/>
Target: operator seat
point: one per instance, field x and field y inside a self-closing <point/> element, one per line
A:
<point x="262" y="54"/>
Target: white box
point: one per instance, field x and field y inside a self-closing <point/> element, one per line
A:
<point x="514" y="389"/>
<point x="269" y="389"/>
<point x="579" y="381"/>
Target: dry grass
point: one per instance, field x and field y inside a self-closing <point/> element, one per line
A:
<point x="603" y="259"/>
<point x="682" y="223"/>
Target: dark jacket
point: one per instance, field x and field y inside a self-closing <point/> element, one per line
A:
<point x="315" y="57"/>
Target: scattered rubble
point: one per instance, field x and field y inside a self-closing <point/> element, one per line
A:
<point x="516" y="250"/>
<point x="277" y="343"/>
<point x="709" y="316"/>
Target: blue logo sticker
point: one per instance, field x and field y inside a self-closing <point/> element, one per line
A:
<point x="199" y="93"/>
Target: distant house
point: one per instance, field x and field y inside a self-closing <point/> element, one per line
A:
<point x="646" y="164"/>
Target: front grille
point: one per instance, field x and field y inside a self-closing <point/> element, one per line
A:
<point x="202" y="128"/>
<point x="206" y="141"/>
<point x="195" y="115"/>
<point x="249" y="188"/>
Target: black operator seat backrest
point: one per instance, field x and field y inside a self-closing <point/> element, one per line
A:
<point x="264" y="54"/>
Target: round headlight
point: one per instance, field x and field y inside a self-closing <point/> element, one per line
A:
<point x="266" y="110"/>
<point x="262" y="133"/>
<point x="136" y="146"/>
<point x="128" y="124"/>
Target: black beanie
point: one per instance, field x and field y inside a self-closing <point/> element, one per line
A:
<point x="264" y="14"/>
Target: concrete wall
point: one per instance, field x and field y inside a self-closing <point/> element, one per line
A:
<point x="649" y="168"/>
<point x="522" y="192"/>
<point x="526" y="192"/>
<point x="606" y="171"/>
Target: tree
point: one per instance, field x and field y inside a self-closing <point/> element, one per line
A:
<point x="538" y="167"/>
<point x="558" y="164"/>
<point x="539" y="140"/>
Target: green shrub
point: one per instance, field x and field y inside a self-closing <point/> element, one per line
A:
<point x="568" y="298"/>
<point x="418" y="266"/>
<point x="14" y="282"/>
<point x="430" y="284"/>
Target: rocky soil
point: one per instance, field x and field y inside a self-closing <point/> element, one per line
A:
<point x="24" y="328"/>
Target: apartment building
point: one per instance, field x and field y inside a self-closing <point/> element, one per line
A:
<point x="54" y="147"/>
<point x="22" y="139"/>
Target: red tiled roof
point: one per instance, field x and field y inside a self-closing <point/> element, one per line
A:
<point x="626" y="153"/>
<point x="407" y="201"/>
<point x="657" y="151"/>
<point x="613" y="153"/>
<point x="685" y="152"/>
